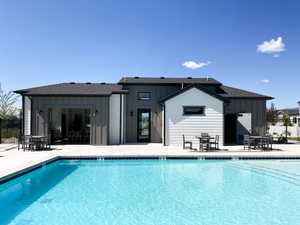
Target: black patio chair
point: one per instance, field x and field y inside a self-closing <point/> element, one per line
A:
<point x="271" y="142"/>
<point x="21" y="143"/>
<point x="47" y="142"/>
<point x="249" y="143"/>
<point x="185" y="143"/>
<point x="266" y="143"/>
<point x="28" y="143"/>
<point x="215" y="142"/>
<point x="204" y="135"/>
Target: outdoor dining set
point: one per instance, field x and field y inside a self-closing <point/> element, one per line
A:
<point x="258" y="142"/>
<point x="207" y="142"/>
<point x="33" y="143"/>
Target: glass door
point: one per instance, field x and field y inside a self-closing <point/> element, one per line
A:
<point x="144" y="125"/>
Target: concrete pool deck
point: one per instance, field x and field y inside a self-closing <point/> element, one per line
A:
<point x="13" y="161"/>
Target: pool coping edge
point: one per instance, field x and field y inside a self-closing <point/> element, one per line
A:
<point x="23" y="171"/>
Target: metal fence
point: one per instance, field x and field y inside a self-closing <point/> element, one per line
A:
<point x="10" y="130"/>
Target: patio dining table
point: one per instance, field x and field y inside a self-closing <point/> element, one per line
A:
<point x="204" y="141"/>
<point x="38" y="141"/>
<point x="258" y="139"/>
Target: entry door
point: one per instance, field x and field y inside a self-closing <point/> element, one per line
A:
<point x="230" y="128"/>
<point x="144" y="125"/>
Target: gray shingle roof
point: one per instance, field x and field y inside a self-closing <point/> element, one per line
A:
<point x="167" y="80"/>
<point x="290" y="111"/>
<point x="230" y="92"/>
<point x="74" y="89"/>
<point x="199" y="87"/>
<point x="94" y="89"/>
<point x="223" y="93"/>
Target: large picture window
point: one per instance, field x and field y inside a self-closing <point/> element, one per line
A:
<point x="194" y="110"/>
<point x="144" y="95"/>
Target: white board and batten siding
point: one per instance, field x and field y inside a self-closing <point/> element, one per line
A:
<point x="114" y="119"/>
<point x="178" y="124"/>
<point x="27" y="115"/>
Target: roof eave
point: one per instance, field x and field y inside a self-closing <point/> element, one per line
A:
<point x="249" y="97"/>
<point x="67" y="95"/>
<point x="193" y="86"/>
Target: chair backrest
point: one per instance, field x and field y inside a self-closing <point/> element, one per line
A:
<point x="217" y="138"/>
<point x="27" y="137"/>
<point x="183" y="138"/>
<point x="246" y="138"/>
<point x="20" y="137"/>
<point x="204" y="135"/>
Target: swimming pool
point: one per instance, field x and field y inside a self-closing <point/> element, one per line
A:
<point x="163" y="192"/>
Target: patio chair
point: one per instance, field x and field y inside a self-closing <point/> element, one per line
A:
<point x="204" y="135"/>
<point x="265" y="143"/>
<point x="28" y="144"/>
<point x="187" y="143"/>
<point x="271" y="142"/>
<point x="248" y="142"/>
<point x="21" y="143"/>
<point x="47" y="142"/>
<point x="215" y="142"/>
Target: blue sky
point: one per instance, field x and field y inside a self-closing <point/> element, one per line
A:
<point x="45" y="42"/>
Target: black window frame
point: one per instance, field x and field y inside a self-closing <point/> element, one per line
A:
<point x="143" y="99"/>
<point x="295" y="120"/>
<point x="185" y="107"/>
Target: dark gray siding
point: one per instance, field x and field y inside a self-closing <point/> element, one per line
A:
<point x="132" y="104"/>
<point x="256" y="107"/>
<point x="99" y="120"/>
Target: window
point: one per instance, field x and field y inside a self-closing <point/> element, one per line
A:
<point x="298" y="122"/>
<point x="194" y="110"/>
<point x="144" y="95"/>
<point x="294" y="119"/>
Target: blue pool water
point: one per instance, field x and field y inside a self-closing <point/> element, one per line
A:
<point x="162" y="192"/>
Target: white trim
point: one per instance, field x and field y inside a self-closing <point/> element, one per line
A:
<point x="27" y="115"/>
<point x="114" y="119"/>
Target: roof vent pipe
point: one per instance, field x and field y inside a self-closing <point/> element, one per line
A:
<point x="181" y="85"/>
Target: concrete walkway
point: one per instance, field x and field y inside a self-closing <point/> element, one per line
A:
<point x="6" y="147"/>
<point x="13" y="161"/>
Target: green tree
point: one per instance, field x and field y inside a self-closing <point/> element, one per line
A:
<point x="7" y="105"/>
<point x="286" y="122"/>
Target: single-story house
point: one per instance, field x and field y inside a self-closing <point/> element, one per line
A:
<point x="279" y="128"/>
<point x="142" y="109"/>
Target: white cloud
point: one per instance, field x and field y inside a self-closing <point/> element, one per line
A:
<point x="272" y="46"/>
<point x="265" y="81"/>
<point x="276" y="55"/>
<point x="193" y="65"/>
